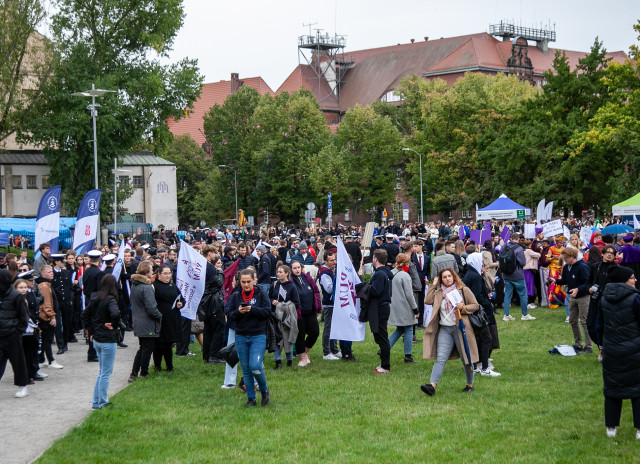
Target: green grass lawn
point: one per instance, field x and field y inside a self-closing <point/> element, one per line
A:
<point x="544" y="409"/>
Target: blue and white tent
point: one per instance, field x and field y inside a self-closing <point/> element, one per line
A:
<point x="502" y="208"/>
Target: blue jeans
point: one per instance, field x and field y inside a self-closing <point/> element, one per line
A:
<point x="567" y="299"/>
<point x="251" y="350"/>
<point x="265" y="288"/>
<point x="277" y="354"/>
<point x="106" y="356"/>
<point x="521" y="289"/>
<point x="407" y="331"/>
<point x="448" y="338"/>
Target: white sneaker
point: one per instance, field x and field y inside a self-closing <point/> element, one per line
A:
<point x="44" y="364"/>
<point x="508" y="317"/>
<point x="531" y="306"/>
<point x="42" y="375"/>
<point x="567" y="319"/>
<point x="24" y="391"/>
<point x="55" y="365"/>
<point x="490" y="373"/>
<point x="638" y="434"/>
<point x="477" y="370"/>
<point x="228" y="387"/>
<point x="338" y="354"/>
<point x="611" y="432"/>
<point x="528" y="317"/>
<point x="330" y="357"/>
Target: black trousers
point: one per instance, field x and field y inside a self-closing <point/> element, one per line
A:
<point x="163" y="350"/>
<point x="47" y="340"/>
<point x="143" y="356"/>
<point x="66" y="312"/>
<point x="11" y="350"/>
<point x="213" y="338"/>
<point x="30" y="348"/>
<point x="484" y="342"/>
<point x="381" y="337"/>
<point x="420" y="303"/>
<point x="57" y="330"/>
<point x="307" y="327"/>
<point x="613" y="410"/>
<point x="182" y="347"/>
<point x="77" y="312"/>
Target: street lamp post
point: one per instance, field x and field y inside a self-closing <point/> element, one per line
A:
<point x="235" y="186"/>
<point x="93" y="107"/>
<point x="115" y="196"/>
<point x="421" y="205"/>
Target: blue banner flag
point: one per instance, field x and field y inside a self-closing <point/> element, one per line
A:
<point x="84" y="236"/>
<point x="48" y="219"/>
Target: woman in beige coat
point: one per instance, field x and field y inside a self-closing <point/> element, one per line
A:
<point x="442" y="339"/>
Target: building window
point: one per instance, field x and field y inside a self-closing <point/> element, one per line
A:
<point x="32" y="182"/>
<point x="124" y="180"/>
<point x="450" y="214"/>
<point x="391" y="97"/>
<point x="138" y="217"/>
<point x="466" y="214"/>
<point x="45" y="182"/>
<point x="17" y="182"/>
<point x="137" y="181"/>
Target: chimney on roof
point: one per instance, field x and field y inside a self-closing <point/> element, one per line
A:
<point x="426" y="39"/>
<point x="236" y="83"/>
<point x="413" y="40"/>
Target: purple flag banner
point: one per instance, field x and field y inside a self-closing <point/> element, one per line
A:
<point x="506" y="233"/>
<point x="461" y="233"/>
<point x="487" y="225"/>
<point x="480" y="236"/>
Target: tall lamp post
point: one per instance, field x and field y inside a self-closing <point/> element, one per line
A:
<point x="115" y="196"/>
<point x="421" y="206"/>
<point x="93" y="107"/>
<point x="235" y="186"/>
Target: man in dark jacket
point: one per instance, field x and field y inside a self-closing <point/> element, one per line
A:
<point x="264" y="268"/>
<point x="62" y="286"/>
<point x="575" y="275"/>
<point x="91" y="283"/>
<point x="391" y="248"/>
<point x="378" y="316"/>
<point x="353" y="248"/>
<point x="244" y="258"/>
<point x="515" y="280"/>
<point x="14" y="315"/>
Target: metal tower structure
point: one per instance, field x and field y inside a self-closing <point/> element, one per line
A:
<point x="507" y="31"/>
<point x="324" y="54"/>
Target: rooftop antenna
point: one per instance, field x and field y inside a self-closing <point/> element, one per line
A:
<point x="310" y="24"/>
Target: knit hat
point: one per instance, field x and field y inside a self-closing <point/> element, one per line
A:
<point x="619" y="274"/>
<point x="261" y="248"/>
<point x="303" y="244"/>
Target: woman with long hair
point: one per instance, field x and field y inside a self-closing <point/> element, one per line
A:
<point x="310" y="307"/>
<point x="404" y="310"/>
<point x="442" y="339"/>
<point x="283" y="291"/>
<point x="169" y="304"/>
<point x="101" y="318"/>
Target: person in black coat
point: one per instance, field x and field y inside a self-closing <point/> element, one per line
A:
<point x="100" y="318"/>
<point x="169" y="305"/>
<point x="379" y="315"/>
<point x="13" y="322"/>
<point x="620" y="317"/>
<point x="212" y="304"/>
<point x="63" y="289"/>
<point x="598" y="279"/>
<point x="91" y="279"/>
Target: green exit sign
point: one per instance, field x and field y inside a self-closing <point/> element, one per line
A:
<point x="520" y="213"/>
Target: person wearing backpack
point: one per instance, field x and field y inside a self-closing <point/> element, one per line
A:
<point x="511" y="261"/>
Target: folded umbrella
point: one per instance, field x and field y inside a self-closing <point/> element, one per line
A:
<point x="463" y="329"/>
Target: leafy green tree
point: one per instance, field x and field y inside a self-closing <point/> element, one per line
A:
<point x="198" y="180"/>
<point x="117" y="45"/>
<point x="288" y="132"/>
<point x="27" y="60"/>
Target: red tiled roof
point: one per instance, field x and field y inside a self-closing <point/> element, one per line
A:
<point x="305" y="77"/>
<point x="380" y="70"/>
<point x="210" y="95"/>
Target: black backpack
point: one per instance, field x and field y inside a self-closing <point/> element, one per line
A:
<point x="507" y="260"/>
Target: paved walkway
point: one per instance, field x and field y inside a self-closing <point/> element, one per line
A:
<point x="30" y="425"/>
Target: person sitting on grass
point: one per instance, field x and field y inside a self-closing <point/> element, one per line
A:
<point x="442" y="336"/>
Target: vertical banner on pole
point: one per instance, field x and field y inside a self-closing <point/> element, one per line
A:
<point x="48" y="219"/>
<point x="84" y="235"/>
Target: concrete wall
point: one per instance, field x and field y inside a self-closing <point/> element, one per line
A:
<point x="22" y="202"/>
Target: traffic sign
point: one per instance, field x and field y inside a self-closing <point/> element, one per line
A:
<point x="585" y="212"/>
<point x="311" y="206"/>
<point x="405" y="206"/>
<point x="384" y="212"/>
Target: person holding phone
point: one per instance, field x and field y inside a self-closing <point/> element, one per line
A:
<point x="441" y="336"/>
<point x="250" y="310"/>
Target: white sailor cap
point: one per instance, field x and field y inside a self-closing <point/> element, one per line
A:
<point x="390" y="236"/>
<point x="27" y="275"/>
<point x="266" y="244"/>
<point x="57" y="256"/>
<point x="145" y="246"/>
<point x="108" y="258"/>
<point x="94" y="253"/>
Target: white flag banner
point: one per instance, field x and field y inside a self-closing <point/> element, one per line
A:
<point x="636" y="223"/>
<point x="585" y="235"/>
<point x="117" y="268"/>
<point x="548" y="211"/>
<point x="254" y="253"/>
<point x="190" y="279"/>
<point x="346" y="305"/>
<point x="540" y="215"/>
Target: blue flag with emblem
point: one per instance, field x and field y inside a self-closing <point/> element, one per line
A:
<point x="84" y="235"/>
<point x="48" y="219"/>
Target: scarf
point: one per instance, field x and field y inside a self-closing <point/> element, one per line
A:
<point x="449" y="308"/>
<point x="404" y="268"/>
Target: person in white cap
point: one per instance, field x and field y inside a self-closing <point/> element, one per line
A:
<point x="91" y="279"/>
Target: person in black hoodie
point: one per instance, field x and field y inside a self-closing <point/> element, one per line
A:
<point x="598" y="278"/>
<point x="620" y="318"/>
<point x="379" y="313"/>
<point x="100" y="318"/>
<point x="169" y="305"/>
<point x="250" y="310"/>
<point x="31" y="340"/>
<point x="13" y="322"/>
<point x="212" y="304"/>
<point x="283" y="291"/>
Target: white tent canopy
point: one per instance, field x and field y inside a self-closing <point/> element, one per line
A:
<point x="502" y="208"/>
<point x="628" y="207"/>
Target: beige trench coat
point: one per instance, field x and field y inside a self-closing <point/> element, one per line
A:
<point x="430" y="339"/>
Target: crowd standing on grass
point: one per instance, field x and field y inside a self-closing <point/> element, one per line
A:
<point x="267" y="289"/>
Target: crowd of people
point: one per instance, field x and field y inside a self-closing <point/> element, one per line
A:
<point x="267" y="289"/>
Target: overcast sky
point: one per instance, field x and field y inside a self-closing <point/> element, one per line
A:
<point x="259" y="38"/>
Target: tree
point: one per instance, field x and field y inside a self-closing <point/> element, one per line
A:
<point x="27" y="61"/>
<point x="198" y="180"/>
<point x="117" y="46"/>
